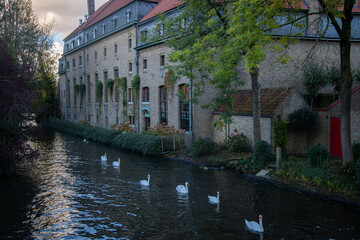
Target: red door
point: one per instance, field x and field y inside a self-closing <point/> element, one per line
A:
<point x="335" y="138"/>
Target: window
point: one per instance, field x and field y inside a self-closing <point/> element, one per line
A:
<point x="129" y="95"/>
<point x="145" y="64"/>
<point x="162" y="60"/>
<point x="163" y="106"/>
<point x="131" y="120"/>
<point x="106" y="89"/>
<point x="87" y="57"/>
<point x="105" y="52"/>
<point x="67" y="47"/>
<point x="96" y="79"/>
<point x="130" y="67"/>
<point x="81" y="82"/>
<point x="88" y="89"/>
<point x="68" y="92"/>
<point x="94" y="33"/>
<point x="184" y="107"/>
<point x="72" y="44"/>
<point x="128" y="16"/>
<point x="79" y="41"/>
<point x="95" y="55"/>
<point x="67" y="65"/>
<point x="161" y="29"/>
<point x="117" y="90"/>
<point x="103" y="28"/>
<point x="145" y="95"/>
<point x="86" y="37"/>
<point x="129" y="43"/>
<point x="114" y="22"/>
<point x="80" y="60"/>
<point x="115" y="48"/>
<point x="73" y="63"/>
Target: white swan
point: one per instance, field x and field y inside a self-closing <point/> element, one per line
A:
<point x="116" y="163"/>
<point x="183" y="188"/>
<point x="85" y="141"/>
<point x="104" y="158"/>
<point x="254" y="226"/>
<point x="145" y="182"/>
<point x="214" y="200"/>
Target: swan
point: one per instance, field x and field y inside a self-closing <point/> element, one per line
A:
<point x="85" y="141"/>
<point x="183" y="188"/>
<point x="254" y="226"/>
<point x="214" y="200"/>
<point x="145" y="182"/>
<point x="116" y="163"/>
<point x="104" y="158"/>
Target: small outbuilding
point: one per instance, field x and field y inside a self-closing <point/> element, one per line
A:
<point x="274" y="102"/>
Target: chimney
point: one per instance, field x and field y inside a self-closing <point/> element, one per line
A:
<point x="91" y="7"/>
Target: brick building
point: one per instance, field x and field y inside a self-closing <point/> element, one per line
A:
<point x="107" y="45"/>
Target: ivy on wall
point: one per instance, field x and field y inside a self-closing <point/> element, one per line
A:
<point x="109" y="84"/>
<point x="135" y="86"/>
<point x="99" y="93"/>
<point x="123" y="88"/>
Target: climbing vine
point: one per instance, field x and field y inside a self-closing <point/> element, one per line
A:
<point x="82" y="89"/>
<point x="109" y="84"/>
<point x="76" y="88"/>
<point x="169" y="82"/>
<point x="123" y="88"/>
<point x="99" y="93"/>
<point x="280" y="134"/>
<point x="135" y="86"/>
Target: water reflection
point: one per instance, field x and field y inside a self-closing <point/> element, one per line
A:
<point x="75" y="195"/>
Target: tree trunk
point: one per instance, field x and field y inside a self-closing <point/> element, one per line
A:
<point x="346" y="83"/>
<point x="254" y="73"/>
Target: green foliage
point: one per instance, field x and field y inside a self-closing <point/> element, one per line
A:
<point x="302" y="119"/>
<point x="281" y="134"/>
<point x="82" y="91"/>
<point x="99" y="91"/>
<point x="317" y="155"/>
<point x="248" y="165"/>
<point x="135" y="88"/>
<point x="314" y="79"/>
<point x="149" y="145"/>
<point x="164" y="130"/>
<point x="109" y="83"/>
<point x="202" y="146"/>
<point x="123" y="127"/>
<point x="335" y="177"/>
<point x="356" y="151"/>
<point x="76" y="88"/>
<point x="211" y="39"/>
<point x="237" y="142"/>
<point x="123" y="88"/>
<point x="357" y="170"/>
<point x="262" y="153"/>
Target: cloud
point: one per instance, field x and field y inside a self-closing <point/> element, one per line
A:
<point x="66" y="13"/>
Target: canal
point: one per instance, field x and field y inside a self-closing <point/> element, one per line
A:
<point x="71" y="194"/>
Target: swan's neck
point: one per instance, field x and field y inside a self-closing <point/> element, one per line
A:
<point x="261" y="225"/>
<point x="148" y="179"/>
<point x="186" y="186"/>
<point x="218" y="195"/>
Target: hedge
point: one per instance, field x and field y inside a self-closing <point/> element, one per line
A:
<point x="146" y="144"/>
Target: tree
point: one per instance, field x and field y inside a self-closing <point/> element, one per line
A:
<point x="213" y="39"/>
<point x="331" y="10"/>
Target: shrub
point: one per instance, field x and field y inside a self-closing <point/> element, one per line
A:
<point x="123" y="127"/>
<point x="317" y="155"/>
<point x="163" y="130"/>
<point x="302" y="119"/>
<point x="357" y="170"/>
<point x="237" y="142"/>
<point x="356" y="151"/>
<point x="149" y="145"/>
<point x="261" y="153"/>
<point x="202" y="146"/>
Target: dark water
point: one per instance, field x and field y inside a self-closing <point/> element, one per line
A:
<point x="71" y="195"/>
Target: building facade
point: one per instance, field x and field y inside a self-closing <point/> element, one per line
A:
<point x="107" y="45"/>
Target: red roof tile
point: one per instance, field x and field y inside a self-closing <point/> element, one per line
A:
<point x="102" y="12"/>
<point x="163" y="6"/>
<point x="270" y="98"/>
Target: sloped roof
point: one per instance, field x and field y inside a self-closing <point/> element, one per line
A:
<point x="102" y="12"/>
<point x="270" y="99"/>
<point x="163" y="6"/>
<point x="338" y="101"/>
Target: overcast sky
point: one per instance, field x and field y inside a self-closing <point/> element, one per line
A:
<point x="66" y="14"/>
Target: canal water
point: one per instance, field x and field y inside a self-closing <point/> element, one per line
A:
<point x="70" y="194"/>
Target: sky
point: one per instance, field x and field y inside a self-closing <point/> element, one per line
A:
<point x="66" y="14"/>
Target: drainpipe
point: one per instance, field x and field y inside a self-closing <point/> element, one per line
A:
<point x="190" y="111"/>
<point x="84" y="79"/>
<point x="137" y="72"/>
<point x="66" y="92"/>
